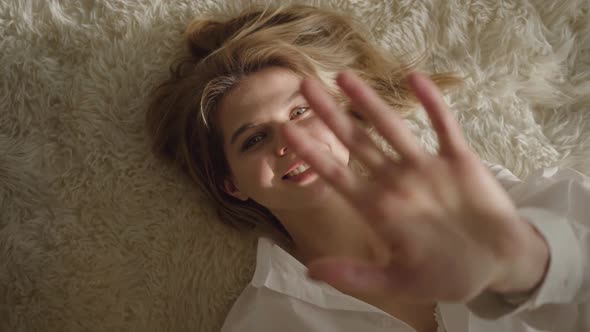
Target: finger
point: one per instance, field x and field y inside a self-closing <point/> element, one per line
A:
<point x="333" y="171"/>
<point x="353" y="276"/>
<point x="387" y="122"/>
<point x="448" y="131"/>
<point x="350" y="134"/>
<point x="350" y="275"/>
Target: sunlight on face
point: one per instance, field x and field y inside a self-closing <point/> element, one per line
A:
<point x="250" y="116"/>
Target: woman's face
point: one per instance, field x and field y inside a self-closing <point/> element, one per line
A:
<point x="250" y="116"/>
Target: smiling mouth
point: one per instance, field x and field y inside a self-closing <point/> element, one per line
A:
<point x="299" y="170"/>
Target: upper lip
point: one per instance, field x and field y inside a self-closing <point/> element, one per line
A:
<point x="293" y="167"/>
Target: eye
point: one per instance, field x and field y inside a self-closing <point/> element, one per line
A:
<point x="298" y="110"/>
<point x="252" y="141"/>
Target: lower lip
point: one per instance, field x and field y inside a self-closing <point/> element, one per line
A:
<point x="301" y="177"/>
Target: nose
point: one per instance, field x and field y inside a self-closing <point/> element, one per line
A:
<point x="281" y="147"/>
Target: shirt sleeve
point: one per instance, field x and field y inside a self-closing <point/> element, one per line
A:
<point x="556" y="202"/>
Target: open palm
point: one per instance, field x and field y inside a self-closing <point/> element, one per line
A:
<point x="452" y="229"/>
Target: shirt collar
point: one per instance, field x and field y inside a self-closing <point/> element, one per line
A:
<point x="278" y="271"/>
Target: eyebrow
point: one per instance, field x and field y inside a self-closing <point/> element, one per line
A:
<point x="249" y="125"/>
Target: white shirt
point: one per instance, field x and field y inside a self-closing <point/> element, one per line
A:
<point x="555" y="201"/>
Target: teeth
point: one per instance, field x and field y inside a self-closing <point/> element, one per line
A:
<point x="298" y="170"/>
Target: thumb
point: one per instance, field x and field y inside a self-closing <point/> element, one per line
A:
<point x="353" y="276"/>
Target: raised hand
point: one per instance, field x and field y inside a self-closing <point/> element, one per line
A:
<point x="452" y="229"/>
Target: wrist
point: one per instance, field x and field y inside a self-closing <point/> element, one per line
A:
<point x="526" y="272"/>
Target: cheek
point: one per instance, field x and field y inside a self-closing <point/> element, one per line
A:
<point x="252" y="171"/>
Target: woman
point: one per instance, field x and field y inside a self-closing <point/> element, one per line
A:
<point x="415" y="242"/>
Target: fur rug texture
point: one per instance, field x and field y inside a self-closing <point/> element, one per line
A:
<point x="96" y="235"/>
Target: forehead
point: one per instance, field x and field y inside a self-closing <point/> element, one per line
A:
<point x="256" y="94"/>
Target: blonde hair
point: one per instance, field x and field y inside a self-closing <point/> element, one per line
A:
<point x="309" y="41"/>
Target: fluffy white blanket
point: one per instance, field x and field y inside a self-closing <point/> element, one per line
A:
<point x="97" y="235"/>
